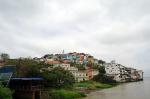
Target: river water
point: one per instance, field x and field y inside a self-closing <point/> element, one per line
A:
<point x="134" y="90"/>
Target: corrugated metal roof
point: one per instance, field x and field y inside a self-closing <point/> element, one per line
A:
<point x="27" y="78"/>
<point x="7" y="69"/>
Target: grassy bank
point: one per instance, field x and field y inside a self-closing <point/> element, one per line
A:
<point x="5" y="93"/>
<point x="65" y="94"/>
<point x="79" y="90"/>
<point x="92" y="85"/>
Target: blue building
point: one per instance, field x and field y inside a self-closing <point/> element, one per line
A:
<point x="5" y="73"/>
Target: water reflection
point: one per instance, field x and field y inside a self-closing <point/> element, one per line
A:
<point x="135" y="90"/>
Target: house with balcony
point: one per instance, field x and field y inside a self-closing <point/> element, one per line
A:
<point x="121" y="73"/>
<point x="117" y="71"/>
<point x="80" y="75"/>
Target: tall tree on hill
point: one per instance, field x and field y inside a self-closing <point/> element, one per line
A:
<point x="4" y="56"/>
<point x="101" y="62"/>
<point x="102" y="77"/>
<point x="58" y="78"/>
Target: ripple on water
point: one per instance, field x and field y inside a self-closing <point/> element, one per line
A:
<point x="134" y="90"/>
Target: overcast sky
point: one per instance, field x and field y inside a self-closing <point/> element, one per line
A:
<point x="106" y="29"/>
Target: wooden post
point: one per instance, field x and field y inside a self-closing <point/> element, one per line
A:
<point x="33" y="94"/>
<point x="40" y="95"/>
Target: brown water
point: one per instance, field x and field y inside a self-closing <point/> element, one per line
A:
<point x="134" y="90"/>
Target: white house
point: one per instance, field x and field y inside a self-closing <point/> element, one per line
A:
<point x="122" y="73"/>
<point x="140" y="72"/>
<point x="117" y="71"/>
<point x="79" y="75"/>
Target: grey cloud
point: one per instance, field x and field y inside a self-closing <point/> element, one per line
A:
<point x="129" y="10"/>
<point x="111" y="29"/>
<point x="18" y="8"/>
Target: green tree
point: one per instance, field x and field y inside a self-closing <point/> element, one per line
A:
<point x="4" y="56"/>
<point x="28" y="68"/>
<point x="80" y="66"/>
<point x="5" y="93"/>
<point x="102" y="70"/>
<point x="11" y="62"/>
<point x="59" y="78"/>
<point x="101" y="62"/>
<point x="102" y="77"/>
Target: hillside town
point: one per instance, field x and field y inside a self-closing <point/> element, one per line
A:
<point x="78" y="65"/>
<point x="85" y="67"/>
<point x="30" y="78"/>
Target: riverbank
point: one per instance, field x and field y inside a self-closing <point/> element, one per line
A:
<point x="130" y="90"/>
<point x="79" y="90"/>
<point x="89" y="86"/>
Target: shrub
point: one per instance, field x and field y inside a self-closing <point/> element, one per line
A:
<point x="92" y="85"/>
<point x="59" y="78"/>
<point x="5" y="93"/>
<point x="102" y="77"/>
<point x="65" y="94"/>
